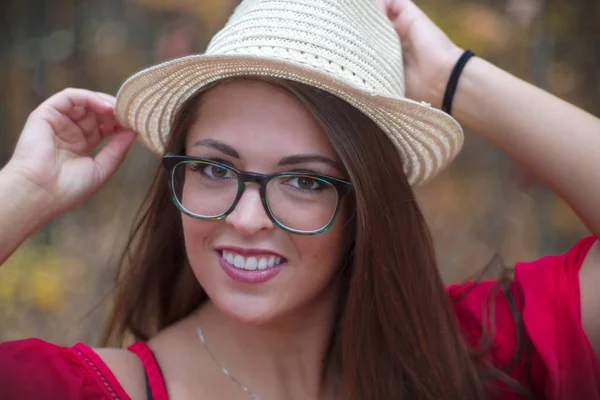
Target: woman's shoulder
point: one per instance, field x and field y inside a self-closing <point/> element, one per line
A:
<point x="36" y="369"/>
<point x="536" y="318"/>
<point x="128" y="368"/>
<point x="549" y="279"/>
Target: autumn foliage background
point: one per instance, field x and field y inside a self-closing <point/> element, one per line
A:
<point x="57" y="286"/>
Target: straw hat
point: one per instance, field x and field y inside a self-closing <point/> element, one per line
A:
<point x="345" y="47"/>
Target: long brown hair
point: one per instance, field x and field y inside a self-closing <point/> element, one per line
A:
<point x="395" y="335"/>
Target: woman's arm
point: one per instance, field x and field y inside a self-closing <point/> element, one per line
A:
<point x="554" y="140"/>
<point x="22" y="211"/>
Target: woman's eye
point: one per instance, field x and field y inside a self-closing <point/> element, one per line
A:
<point x="216" y="172"/>
<point x="304" y="183"/>
<point x="211" y="171"/>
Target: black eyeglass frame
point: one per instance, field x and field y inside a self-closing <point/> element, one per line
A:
<point x="171" y="161"/>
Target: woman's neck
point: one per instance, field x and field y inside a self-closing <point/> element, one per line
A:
<point x="286" y="355"/>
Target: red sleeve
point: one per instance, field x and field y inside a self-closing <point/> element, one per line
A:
<point x="563" y="365"/>
<point x="33" y="369"/>
<point x="552" y="318"/>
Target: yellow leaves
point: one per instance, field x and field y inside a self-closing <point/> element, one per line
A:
<point x="8" y="282"/>
<point x="34" y="277"/>
<point x="46" y="290"/>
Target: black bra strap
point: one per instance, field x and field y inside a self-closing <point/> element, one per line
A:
<point x="149" y="362"/>
<point x="148" y="390"/>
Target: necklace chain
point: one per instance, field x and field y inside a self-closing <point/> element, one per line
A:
<point x="252" y="395"/>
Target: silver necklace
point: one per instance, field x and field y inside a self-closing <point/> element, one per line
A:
<point x="252" y="395"/>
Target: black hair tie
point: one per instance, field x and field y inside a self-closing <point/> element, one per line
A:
<point x="453" y="81"/>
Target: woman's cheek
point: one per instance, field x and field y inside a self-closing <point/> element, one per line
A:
<point x="196" y="235"/>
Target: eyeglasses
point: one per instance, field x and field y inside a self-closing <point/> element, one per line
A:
<point x="302" y="203"/>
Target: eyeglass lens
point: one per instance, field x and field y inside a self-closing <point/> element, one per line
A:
<point x="296" y="201"/>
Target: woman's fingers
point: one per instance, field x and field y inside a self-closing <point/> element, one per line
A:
<point x="83" y="118"/>
<point x="111" y="156"/>
<point x="107" y="97"/>
<point x="107" y="124"/>
<point x="77" y="113"/>
<point x="70" y="98"/>
<point x="54" y="149"/>
<point x="80" y="118"/>
<point x="64" y="128"/>
<point x="90" y="129"/>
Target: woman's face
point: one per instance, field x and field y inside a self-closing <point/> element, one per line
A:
<point x="254" y="126"/>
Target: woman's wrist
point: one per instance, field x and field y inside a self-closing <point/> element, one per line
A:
<point x="480" y="95"/>
<point x="22" y="200"/>
<point x="24" y="209"/>
<point x="472" y="94"/>
<point x="440" y="80"/>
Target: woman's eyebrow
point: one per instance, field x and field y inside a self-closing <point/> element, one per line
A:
<point x="220" y="146"/>
<point x="307" y="158"/>
<point x="286" y="161"/>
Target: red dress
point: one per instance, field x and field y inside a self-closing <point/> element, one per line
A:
<point x="562" y="364"/>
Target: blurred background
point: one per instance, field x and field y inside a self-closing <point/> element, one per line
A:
<point x="57" y="285"/>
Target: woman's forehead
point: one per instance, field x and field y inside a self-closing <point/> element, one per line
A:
<point x="253" y="114"/>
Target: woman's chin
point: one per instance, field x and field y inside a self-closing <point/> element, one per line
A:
<point x="246" y="311"/>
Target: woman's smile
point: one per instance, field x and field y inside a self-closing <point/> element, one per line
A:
<point x="250" y="265"/>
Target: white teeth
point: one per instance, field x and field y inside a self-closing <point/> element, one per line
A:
<point x="251" y="263"/>
<point x="263" y="263"/>
<point x="239" y="261"/>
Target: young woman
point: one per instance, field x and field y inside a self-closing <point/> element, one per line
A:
<point x="280" y="253"/>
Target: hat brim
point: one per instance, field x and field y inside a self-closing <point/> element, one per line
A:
<point x="426" y="138"/>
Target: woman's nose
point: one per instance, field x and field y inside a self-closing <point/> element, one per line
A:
<point x="249" y="216"/>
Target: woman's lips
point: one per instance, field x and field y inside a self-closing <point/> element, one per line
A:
<point x="270" y="265"/>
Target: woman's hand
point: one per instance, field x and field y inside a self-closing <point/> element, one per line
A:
<point x="429" y="55"/>
<point x="53" y="154"/>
